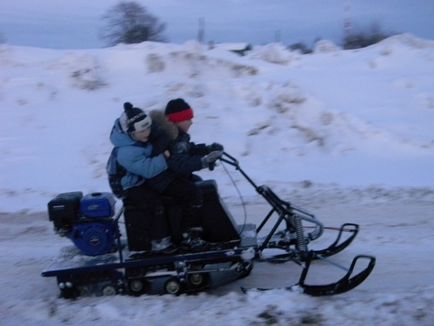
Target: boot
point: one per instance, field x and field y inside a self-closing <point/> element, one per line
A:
<point x="163" y="246"/>
<point x="192" y="240"/>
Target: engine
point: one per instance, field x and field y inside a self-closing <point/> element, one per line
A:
<point x="86" y="220"/>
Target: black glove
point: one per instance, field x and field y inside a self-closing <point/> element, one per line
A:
<point x="214" y="147"/>
<point x="208" y="161"/>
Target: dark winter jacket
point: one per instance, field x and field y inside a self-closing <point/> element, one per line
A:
<point x="136" y="158"/>
<point x="163" y="133"/>
<point x="185" y="156"/>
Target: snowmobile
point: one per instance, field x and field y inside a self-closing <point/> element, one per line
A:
<point x="100" y="262"/>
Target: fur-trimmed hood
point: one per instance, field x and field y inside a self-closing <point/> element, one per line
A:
<point x="163" y="132"/>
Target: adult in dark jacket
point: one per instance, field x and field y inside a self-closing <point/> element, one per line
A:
<point x="186" y="157"/>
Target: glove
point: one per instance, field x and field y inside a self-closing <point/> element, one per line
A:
<point x="208" y="161"/>
<point x="214" y="147"/>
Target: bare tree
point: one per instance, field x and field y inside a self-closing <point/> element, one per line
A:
<point x="365" y="38"/>
<point x="129" y="22"/>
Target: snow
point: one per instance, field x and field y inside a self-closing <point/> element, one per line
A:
<point x="347" y="135"/>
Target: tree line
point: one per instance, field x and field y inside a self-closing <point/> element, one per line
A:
<point x="130" y="22"/>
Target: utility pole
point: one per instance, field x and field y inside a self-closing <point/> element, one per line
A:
<point x="277" y="36"/>
<point x="201" y="31"/>
<point x="2" y="38"/>
<point x="348" y="26"/>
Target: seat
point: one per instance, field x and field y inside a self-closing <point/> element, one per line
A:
<point x="216" y="220"/>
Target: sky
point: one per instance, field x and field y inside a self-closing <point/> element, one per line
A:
<point x="77" y="24"/>
<point x="346" y="135"/>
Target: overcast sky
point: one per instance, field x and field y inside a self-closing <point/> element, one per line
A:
<point x="76" y="23"/>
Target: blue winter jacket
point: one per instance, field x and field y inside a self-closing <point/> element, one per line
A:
<point x="136" y="158"/>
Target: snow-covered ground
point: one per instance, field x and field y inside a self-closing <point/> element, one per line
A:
<point x="347" y="135"/>
<point x="400" y="291"/>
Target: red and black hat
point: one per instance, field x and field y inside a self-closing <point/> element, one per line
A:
<point x="178" y="110"/>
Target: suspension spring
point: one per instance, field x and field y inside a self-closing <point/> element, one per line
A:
<point x="301" y="241"/>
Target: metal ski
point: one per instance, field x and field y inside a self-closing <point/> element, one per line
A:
<point x="345" y="284"/>
<point x="278" y="242"/>
<point x="336" y="247"/>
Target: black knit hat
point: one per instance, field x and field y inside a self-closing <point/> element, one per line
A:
<point x="178" y="110"/>
<point x="134" y="119"/>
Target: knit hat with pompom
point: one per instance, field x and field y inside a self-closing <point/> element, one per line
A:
<point x="134" y="119"/>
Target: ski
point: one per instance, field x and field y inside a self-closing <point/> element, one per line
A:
<point x="345" y="284"/>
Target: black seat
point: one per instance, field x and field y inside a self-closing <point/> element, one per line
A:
<point x="216" y="221"/>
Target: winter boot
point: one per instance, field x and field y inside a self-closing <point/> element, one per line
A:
<point x="163" y="246"/>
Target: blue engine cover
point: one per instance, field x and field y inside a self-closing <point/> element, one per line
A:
<point x="95" y="238"/>
<point x="98" y="205"/>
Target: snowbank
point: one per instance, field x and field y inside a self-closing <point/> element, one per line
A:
<point x="355" y="118"/>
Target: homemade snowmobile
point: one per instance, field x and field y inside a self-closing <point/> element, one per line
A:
<point x="100" y="263"/>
